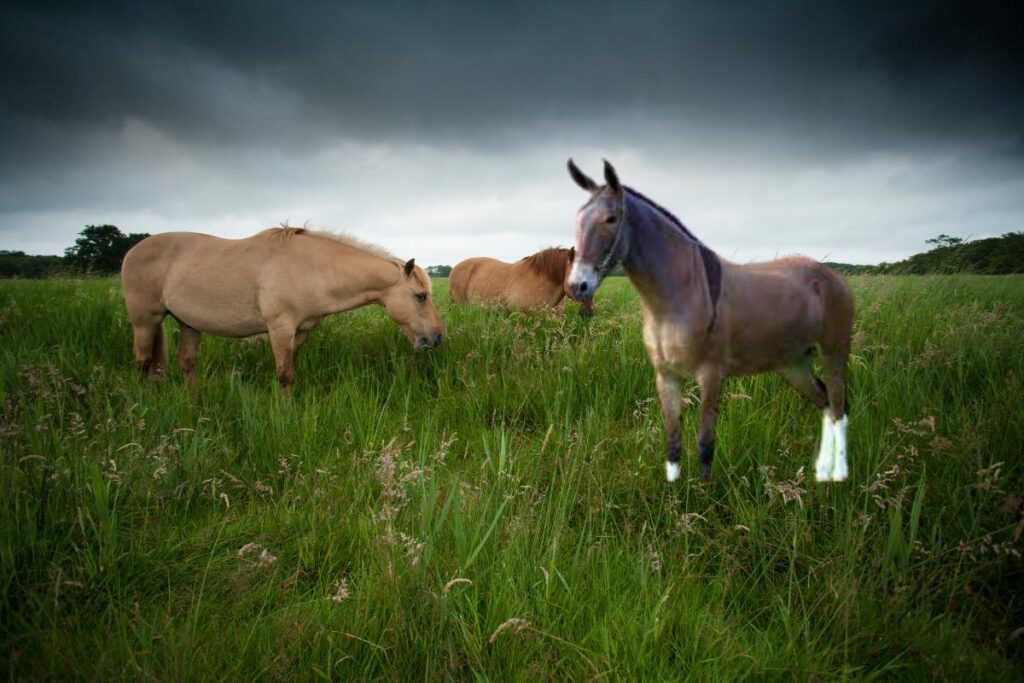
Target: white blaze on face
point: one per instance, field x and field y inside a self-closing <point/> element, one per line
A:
<point x="583" y="279"/>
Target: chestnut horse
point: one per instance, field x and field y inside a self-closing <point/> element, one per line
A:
<point x="282" y="281"/>
<point x="531" y="283"/>
<point x="708" y="318"/>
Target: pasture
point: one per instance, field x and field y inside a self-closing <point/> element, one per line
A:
<point x="496" y="509"/>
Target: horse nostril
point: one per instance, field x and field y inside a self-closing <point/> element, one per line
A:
<point x="583" y="287"/>
<point x="424" y="341"/>
<point x="438" y="339"/>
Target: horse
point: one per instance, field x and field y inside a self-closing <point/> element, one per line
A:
<point x="282" y="281"/>
<point x="531" y="283"/>
<point x="707" y="318"/>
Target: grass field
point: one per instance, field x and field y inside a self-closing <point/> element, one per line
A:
<point x="497" y="510"/>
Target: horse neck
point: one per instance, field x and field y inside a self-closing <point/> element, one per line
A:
<point x="554" y="277"/>
<point x="554" y="273"/>
<point x="663" y="263"/>
<point x="355" y="277"/>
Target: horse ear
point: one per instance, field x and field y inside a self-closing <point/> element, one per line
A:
<point x="572" y="254"/>
<point x="409" y="265"/>
<point x="581" y="178"/>
<point x="612" y="178"/>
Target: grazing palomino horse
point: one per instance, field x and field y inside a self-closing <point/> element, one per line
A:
<point x="282" y="281"/>
<point x="708" y="318"/>
<point x="530" y="283"/>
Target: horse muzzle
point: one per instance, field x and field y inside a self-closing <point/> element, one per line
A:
<point x="583" y="282"/>
<point x="425" y="343"/>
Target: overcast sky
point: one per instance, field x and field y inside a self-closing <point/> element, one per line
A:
<point x="849" y="132"/>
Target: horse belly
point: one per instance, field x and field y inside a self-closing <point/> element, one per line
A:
<point x="215" y="301"/>
<point x="768" y="347"/>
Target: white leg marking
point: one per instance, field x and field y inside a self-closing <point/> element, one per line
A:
<point x="839" y="468"/>
<point x="671" y="470"/>
<point x="824" y="466"/>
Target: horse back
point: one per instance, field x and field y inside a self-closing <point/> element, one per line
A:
<point x="210" y="283"/>
<point x="777" y="309"/>
<point x="478" y="279"/>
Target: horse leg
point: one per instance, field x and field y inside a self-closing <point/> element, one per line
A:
<point x="148" y="343"/>
<point x="188" y="347"/>
<point x="835" y="370"/>
<point x="559" y="308"/>
<point x="668" y="392"/>
<point x="801" y="376"/>
<point x="710" y="382"/>
<point x="282" y="342"/>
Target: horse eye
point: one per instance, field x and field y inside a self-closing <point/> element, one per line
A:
<point x="611" y="219"/>
<point x="421" y="297"/>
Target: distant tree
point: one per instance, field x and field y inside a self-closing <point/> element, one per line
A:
<point x="22" y="265"/>
<point x="439" y="271"/>
<point x="945" y="240"/>
<point x="990" y="256"/>
<point x="1010" y="257"/>
<point x="101" y="248"/>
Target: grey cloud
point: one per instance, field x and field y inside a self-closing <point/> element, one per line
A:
<point x="178" y="113"/>
<point x="810" y="69"/>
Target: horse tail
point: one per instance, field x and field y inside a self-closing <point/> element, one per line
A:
<point x="837" y="324"/>
<point x="836" y="336"/>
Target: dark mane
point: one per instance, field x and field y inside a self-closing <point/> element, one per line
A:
<point x="552" y="263"/>
<point x="712" y="264"/>
<point x="668" y="214"/>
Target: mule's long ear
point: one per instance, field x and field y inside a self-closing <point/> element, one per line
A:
<point x="409" y="265"/>
<point x="581" y="178"/>
<point x="612" y="178"/>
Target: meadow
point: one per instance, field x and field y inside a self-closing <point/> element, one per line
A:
<point x="496" y="509"/>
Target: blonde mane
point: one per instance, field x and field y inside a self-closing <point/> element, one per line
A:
<point x="285" y="232"/>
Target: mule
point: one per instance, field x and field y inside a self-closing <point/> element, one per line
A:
<point x="282" y="281"/>
<point x="707" y="318"/>
<point x="531" y="283"/>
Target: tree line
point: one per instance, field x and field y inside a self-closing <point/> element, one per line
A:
<point x="98" y="250"/>
<point x="990" y="256"/>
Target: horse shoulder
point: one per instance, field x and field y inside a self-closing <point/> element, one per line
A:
<point x="673" y="344"/>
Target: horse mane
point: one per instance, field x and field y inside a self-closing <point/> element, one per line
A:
<point x="285" y="232"/>
<point x="551" y="262"/>
<point x="668" y="214"/>
<point x="712" y="263"/>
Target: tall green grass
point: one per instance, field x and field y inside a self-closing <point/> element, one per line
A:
<point x="496" y="509"/>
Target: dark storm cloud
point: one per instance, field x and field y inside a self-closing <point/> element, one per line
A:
<point x="378" y="113"/>
<point x="812" y="70"/>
